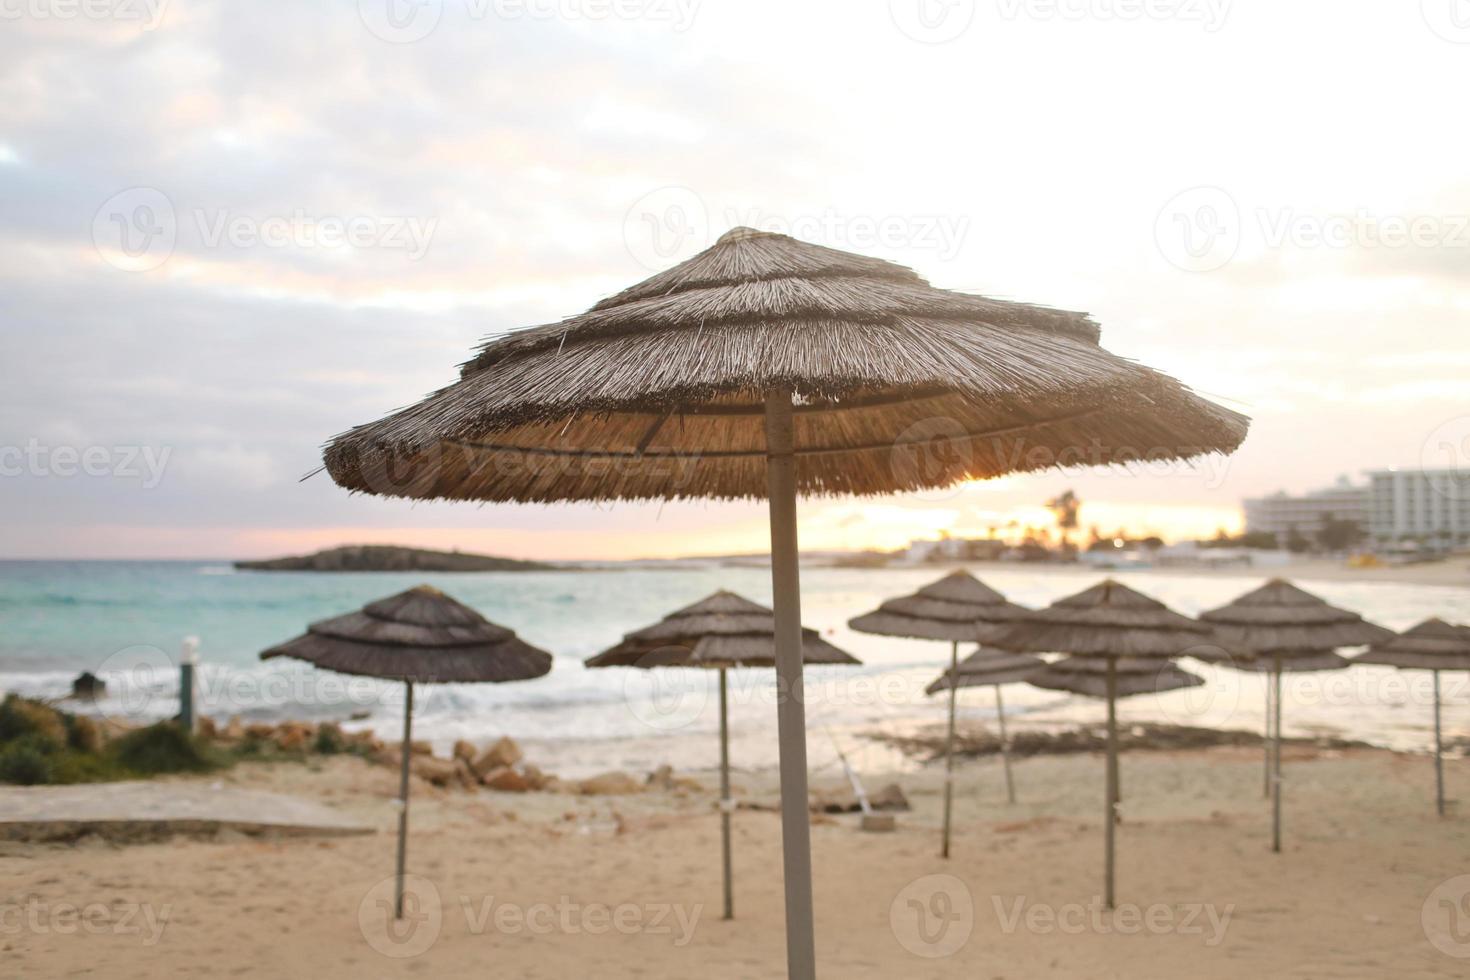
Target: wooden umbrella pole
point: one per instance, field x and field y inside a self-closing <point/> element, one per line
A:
<point x="1276" y="759"/>
<point x="406" y="750"/>
<point x="1438" y="752"/>
<point x="1112" y="779"/>
<point x="954" y="659"/>
<point x="791" y="709"/>
<point x="1005" y="748"/>
<point x="1266" y="743"/>
<point x="725" y="801"/>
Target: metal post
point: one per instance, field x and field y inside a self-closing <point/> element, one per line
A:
<point x="406" y="751"/>
<point x="1005" y="748"/>
<point x="1276" y="761"/>
<point x="1110" y="819"/>
<point x="796" y="847"/>
<point x="725" y="802"/>
<point x="954" y="686"/>
<point x="1438" y="752"/>
<point x="1266" y="743"/>
<point x="188" y="660"/>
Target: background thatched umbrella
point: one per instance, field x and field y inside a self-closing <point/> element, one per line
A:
<point x="1433" y="645"/>
<point x="1284" y="629"/>
<point x="764" y="367"/>
<point x="421" y="636"/>
<point x="718" y="632"/>
<point x="958" y="608"/>
<point x="983" y="668"/>
<point x="1126" y="631"/>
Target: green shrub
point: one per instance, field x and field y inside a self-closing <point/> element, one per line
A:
<point x="161" y="748"/>
<point x="24" y="764"/>
<point x="329" y="739"/>
<point x="82" y="733"/>
<point x="21" y="717"/>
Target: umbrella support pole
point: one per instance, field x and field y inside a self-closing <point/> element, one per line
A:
<point x="954" y="656"/>
<point x="791" y="705"/>
<point x="405" y="750"/>
<point x="1266" y="744"/>
<point x="1276" y="759"/>
<point x="1005" y="747"/>
<point x="726" y="804"/>
<point x="1110" y="816"/>
<point x="1438" y="752"/>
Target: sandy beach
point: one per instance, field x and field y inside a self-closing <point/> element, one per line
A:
<point x="555" y="885"/>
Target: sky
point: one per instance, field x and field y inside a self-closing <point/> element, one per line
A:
<point x="231" y="231"/>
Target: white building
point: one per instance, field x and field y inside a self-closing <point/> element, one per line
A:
<point x="1427" y="506"/>
<point x="1280" y="514"/>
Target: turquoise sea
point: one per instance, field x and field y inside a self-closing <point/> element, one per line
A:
<point x="127" y="620"/>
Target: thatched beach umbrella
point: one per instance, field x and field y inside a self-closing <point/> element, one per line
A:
<point x="959" y="608"/>
<point x="719" y="632"/>
<point x="1283" y="629"/>
<point x="421" y="636"/>
<point x="1434" y="645"/>
<point x="1126" y="633"/>
<point x="765" y="367"/>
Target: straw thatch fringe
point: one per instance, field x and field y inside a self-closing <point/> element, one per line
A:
<point x="721" y="630"/>
<point x="1432" y="645"/>
<point x="1107" y="620"/>
<point x="421" y="635"/>
<point x="1278" y="617"/>
<point x="958" y="608"/>
<point x="658" y="393"/>
<point x="1300" y="663"/>
<point x="988" y="668"/>
<point x="1064" y="675"/>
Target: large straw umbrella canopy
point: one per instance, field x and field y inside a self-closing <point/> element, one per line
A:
<point x="721" y="631"/>
<point x="1281" y="629"/>
<point x="1087" y="676"/>
<point x="986" y="667"/>
<point x="420" y="636"/>
<point x="1434" y="645"/>
<point x="764" y="367"/>
<point x="957" y="608"/>
<point x="1127" y="633"/>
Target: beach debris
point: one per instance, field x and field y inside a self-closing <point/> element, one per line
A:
<point x="506" y="780"/>
<point x="88" y="686"/>
<point x="464" y="750"/>
<point x="609" y="784"/>
<point x="663" y="778"/>
<point x="503" y="753"/>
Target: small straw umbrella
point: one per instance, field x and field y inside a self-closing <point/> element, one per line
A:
<point x="1130" y="634"/>
<point x="719" y="632"/>
<point x="1434" y="645"/>
<point x="763" y="368"/>
<point x="421" y="636"/>
<point x="957" y="608"/>
<point x="1283" y="629"/>
<point x="985" y="667"/>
